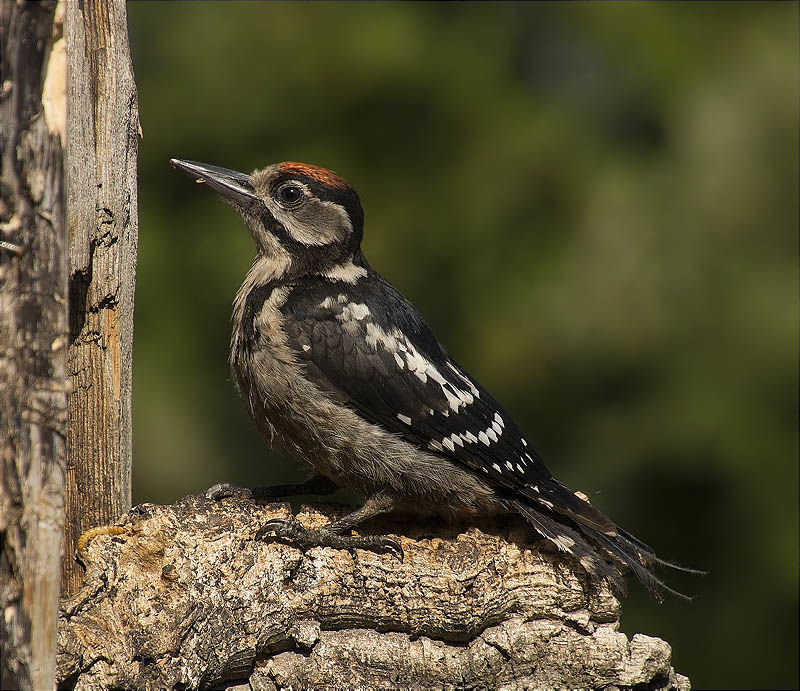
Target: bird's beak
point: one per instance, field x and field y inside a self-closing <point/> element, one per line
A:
<point x="232" y="185"/>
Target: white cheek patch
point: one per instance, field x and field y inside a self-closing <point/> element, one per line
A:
<point x="311" y="233"/>
<point x="315" y="222"/>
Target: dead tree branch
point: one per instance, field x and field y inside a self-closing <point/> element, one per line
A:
<point x="185" y="598"/>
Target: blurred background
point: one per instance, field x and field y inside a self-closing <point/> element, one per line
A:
<point x="594" y="205"/>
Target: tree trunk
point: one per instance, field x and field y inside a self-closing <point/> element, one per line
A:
<point x="103" y="233"/>
<point x="33" y="340"/>
<point x="182" y="596"/>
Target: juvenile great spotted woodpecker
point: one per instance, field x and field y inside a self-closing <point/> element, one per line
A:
<point x="338" y="368"/>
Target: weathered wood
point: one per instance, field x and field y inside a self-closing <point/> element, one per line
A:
<point x="102" y="222"/>
<point x="185" y="598"/>
<point x="33" y="340"/>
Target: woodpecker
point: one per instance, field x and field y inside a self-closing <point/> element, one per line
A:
<point x="339" y="369"/>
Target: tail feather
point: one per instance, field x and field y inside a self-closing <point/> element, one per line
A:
<point x="571" y="541"/>
<point x="639" y="561"/>
<point x="603" y="554"/>
<point x="657" y="560"/>
<point x="553" y="493"/>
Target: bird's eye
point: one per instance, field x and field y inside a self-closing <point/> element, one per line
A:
<point x="290" y="195"/>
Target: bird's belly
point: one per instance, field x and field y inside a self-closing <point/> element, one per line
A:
<point x="295" y="416"/>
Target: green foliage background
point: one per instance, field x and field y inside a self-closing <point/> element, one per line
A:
<point x="594" y="205"/>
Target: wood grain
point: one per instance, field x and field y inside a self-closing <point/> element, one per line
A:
<point x="102" y="146"/>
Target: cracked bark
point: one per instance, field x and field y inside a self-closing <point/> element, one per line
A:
<point x="185" y="598"/>
<point x="33" y="339"/>
<point x="102" y="221"/>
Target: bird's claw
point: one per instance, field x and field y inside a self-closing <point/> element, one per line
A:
<point x="280" y="528"/>
<point x="223" y="490"/>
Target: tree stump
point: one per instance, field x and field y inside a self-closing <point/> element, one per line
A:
<point x="184" y="597"/>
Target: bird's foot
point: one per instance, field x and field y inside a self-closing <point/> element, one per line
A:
<point x="306" y="539"/>
<point x="317" y="484"/>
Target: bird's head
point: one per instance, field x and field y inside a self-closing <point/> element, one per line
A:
<point x="305" y="214"/>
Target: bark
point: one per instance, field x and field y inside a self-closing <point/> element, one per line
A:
<point x="33" y="340"/>
<point x="183" y="597"/>
<point x="103" y="231"/>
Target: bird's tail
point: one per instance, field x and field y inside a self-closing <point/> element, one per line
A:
<point x="604" y="554"/>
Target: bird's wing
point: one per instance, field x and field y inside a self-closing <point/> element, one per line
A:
<point x="368" y="346"/>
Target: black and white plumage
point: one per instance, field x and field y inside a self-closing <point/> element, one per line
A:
<point x="338" y="367"/>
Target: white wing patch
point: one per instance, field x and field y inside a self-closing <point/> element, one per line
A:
<point x="457" y="389"/>
<point x="407" y="356"/>
<point x="352" y="311"/>
<point x="329" y="302"/>
<point x="473" y="389"/>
